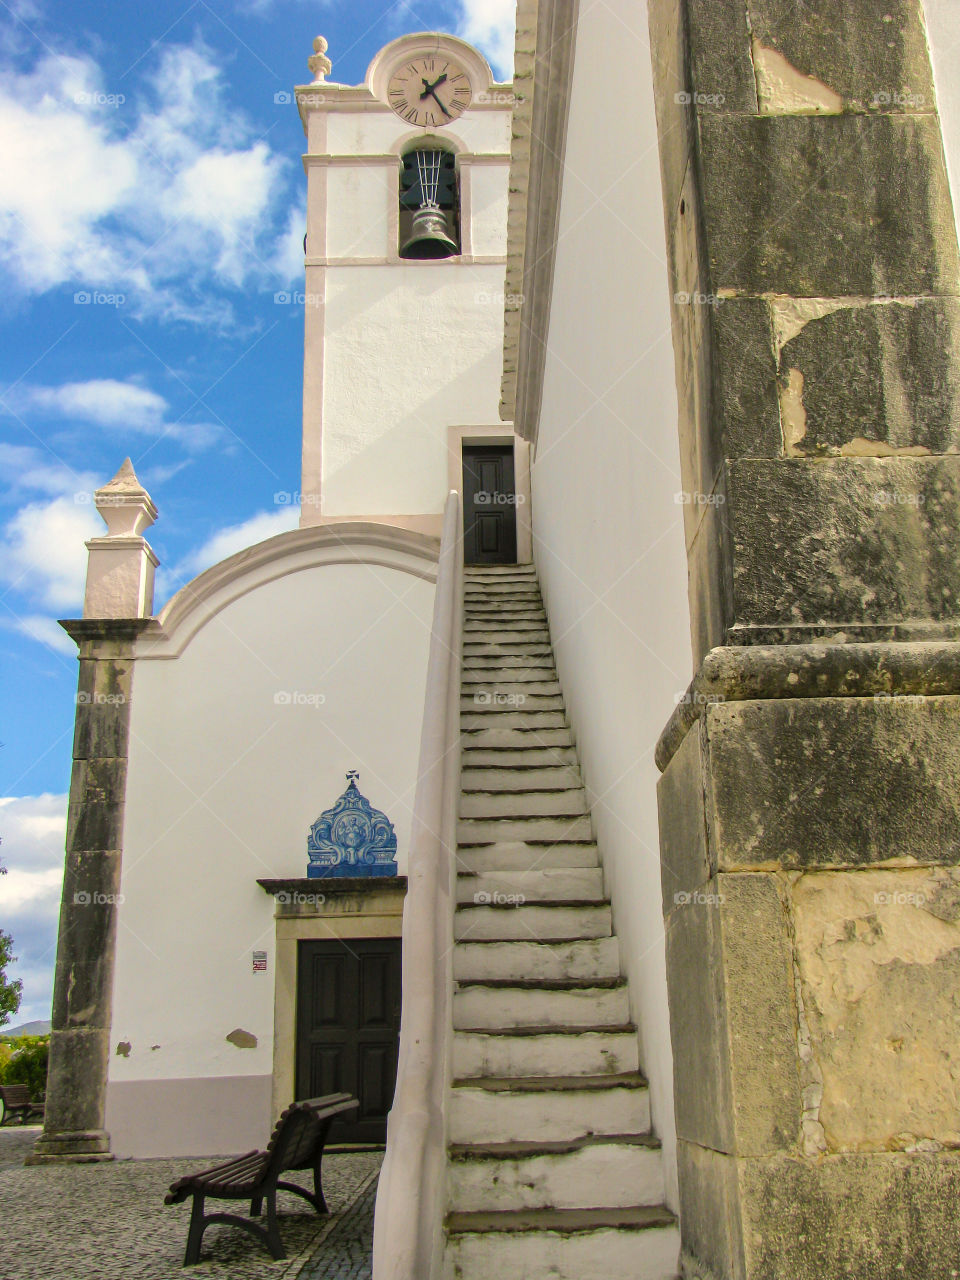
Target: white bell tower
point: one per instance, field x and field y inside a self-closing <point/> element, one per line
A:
<point x="405" y="255"/>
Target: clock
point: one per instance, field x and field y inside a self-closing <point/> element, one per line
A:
<point x="430" y="90"/>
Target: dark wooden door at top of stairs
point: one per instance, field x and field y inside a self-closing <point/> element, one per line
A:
<point x="489" y="505"/>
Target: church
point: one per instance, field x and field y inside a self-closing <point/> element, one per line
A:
<point x="578" y="784"/>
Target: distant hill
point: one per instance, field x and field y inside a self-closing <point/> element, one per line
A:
<point x="40" y="1027"/>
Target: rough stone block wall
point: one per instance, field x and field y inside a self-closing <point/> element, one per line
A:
<point x="812" y="903"/>
<point x="814" y="266"/>
<point x="810" y="841"/>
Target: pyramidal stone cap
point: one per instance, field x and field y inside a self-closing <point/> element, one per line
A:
<point x="125" y="506"/>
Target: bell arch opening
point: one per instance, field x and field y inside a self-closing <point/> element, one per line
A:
<point x="429" y="223"/>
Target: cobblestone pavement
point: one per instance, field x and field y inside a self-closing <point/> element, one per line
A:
<point x="108" y="1221"/>
<point x="345" y="1249"/>
<point x="16" y="1143"/>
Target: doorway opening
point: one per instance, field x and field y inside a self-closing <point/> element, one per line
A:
<point x="348" y="1028"/>
<point x="489" y="504"/>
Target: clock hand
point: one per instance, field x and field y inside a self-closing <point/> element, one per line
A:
<point x="428" y="88"/>
<point x="440" y="105"/>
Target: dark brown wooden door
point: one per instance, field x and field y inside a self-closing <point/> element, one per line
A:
<point x="348" y="1028"/>
<point x="489" y="505"/>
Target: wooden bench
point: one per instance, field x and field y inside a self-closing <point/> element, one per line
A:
<point x="17" y="1102"/>
<point x="297" y="1142"/>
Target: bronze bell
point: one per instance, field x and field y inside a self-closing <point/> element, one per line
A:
<point x="429" y="237"/>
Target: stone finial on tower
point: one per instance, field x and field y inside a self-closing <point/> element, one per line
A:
<point x="318" y="62"/>
<point x="121" y="564"/>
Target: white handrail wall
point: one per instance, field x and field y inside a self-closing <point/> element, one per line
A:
<point x="412" y="1195"/>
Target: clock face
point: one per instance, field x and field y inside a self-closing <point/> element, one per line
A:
<point x="429" y="90"/>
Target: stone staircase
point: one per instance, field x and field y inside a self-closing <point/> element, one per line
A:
<point x="554" y="1173"/>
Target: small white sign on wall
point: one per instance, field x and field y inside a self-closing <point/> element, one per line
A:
<point x="259" y="962"/>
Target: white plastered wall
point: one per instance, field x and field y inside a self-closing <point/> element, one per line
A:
<point x="374" y="132"/>
<point x="608" y="536"/>
<point x="236" y="747"/>
<point x="408" y="351"/>
<point x="943" y="30"/>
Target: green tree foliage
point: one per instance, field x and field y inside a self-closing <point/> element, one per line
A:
<point x="10" y="992"/>
<point x="26" y="1063"/>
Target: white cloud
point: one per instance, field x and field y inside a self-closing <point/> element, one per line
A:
<point x="116" y="406"/>
<point x="45" y="631"/>
<point x="288" y="249"/>
<point x="24" y="468"/>
<point x="156" y="475"/>
<point x="62" y="173"/>
<point x="154" y="196"/>
<point x="237" y="537"/>
<point x="491" y="26"/>
<point x="33" y="830"/>
<point x="105" y="402"/>
<point x="224" y="543"/>
<point x="43" y="552"/>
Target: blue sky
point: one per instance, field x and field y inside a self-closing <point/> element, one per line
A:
<point x="151" y="206"/>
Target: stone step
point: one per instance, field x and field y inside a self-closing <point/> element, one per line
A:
<point x="523" y="804"/>
<point x="533" y="687"/>
<point x="524" y="589"/>
<point x="517" y="778"/>
<point x="500" y="605"/>
<point x="537" y="923"/>
<point x="548" y="1109"/>
<point x="506" y="607"/>
<point x="496" y="830"/>
<point x="506" y="718"/>
<point x="505" y="619"/>
<point x="490" y="700"/>
<point x="525" y="628"/>
<point x="537" y="884"/>
<point x="498" y="581"/>
<point x="480" y="570"/>
<point x="510" y="639"/>
<point x="473" y="582"/>
<point x="499" y="674"/>
<point x="494" y="736"/>
<point x="484" y="662"/>
<point x="501" y="1008"/>
<point x="640" y="1243"/>
<point x="532" y="757"/>
<point x="579" y="1052"/>
<point x="519" y="650"/>
<point x="482" y="859"/>
<point x="595" y="958"/>
<point x="590" y="1173"/>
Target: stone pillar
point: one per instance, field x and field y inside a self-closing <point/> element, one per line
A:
<point x="119" y="577"/>
<point x="809" y="803"/>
